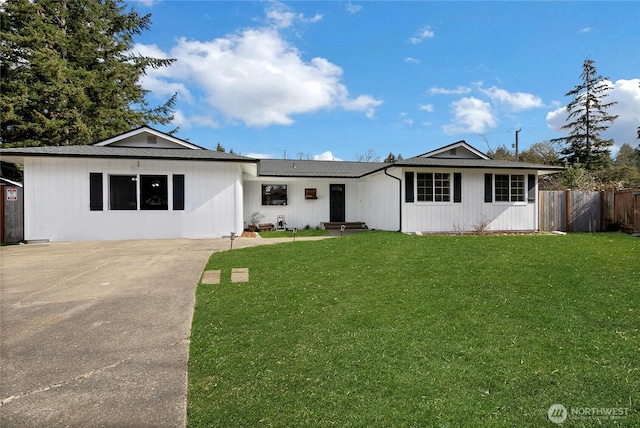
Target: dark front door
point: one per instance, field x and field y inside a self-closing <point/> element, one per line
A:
<point x="336" y="202"/>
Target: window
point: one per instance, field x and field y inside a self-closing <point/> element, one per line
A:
<point x="274" y="194"/>
<point x="509" y="188"/>
<point x="517" y="188"/>
<point x="123" y="192"/>
<point x="150" y="191"/>
<point x="502" y="188"/>
<point x="154" y="194"/>
<point x="434" y="187"/>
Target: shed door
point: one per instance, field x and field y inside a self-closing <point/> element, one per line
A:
<point x="336" y="203"/>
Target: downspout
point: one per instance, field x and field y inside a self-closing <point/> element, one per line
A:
<point x="399" y="195"/>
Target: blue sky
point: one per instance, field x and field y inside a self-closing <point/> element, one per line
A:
<point x="335" y="79"/>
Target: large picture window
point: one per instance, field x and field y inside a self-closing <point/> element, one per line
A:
<point x="274" y="194"/>
<point x="148" y="191"/>
<point x="433" y="187"/>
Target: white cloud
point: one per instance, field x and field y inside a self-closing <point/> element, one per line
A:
<point x="353" y="8"/>
<point x="626" y="93"/>
<point x="412" y="60"/>
<point x="364" y="103"/>
<point x="255" y="76"/>
<point x="405" y="118"/>
<point x="426" y="107"/>
<point x="186" y="122"/>
<point x="586" y="30"/>
<point x="516" y="101"/>
<point x="281" y="16"/>
<point x="422" y="35"/>
<point x="327" y="156"/>
<point x="434" y="90"/>
<point x="471" y="115"/>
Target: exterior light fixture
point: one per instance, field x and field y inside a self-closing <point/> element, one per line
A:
<point x="232" y="236"/>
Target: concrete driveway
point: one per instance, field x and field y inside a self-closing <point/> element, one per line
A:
<point x="97" y="333"/>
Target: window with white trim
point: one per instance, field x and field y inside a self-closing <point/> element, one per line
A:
<point x="274" y="194"/>
<point x="144" y="192"/>
<point x="433" y="187"/>
<point x="509" y="188"/>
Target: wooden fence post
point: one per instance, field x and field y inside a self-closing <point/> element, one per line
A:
<point x="567" y="202"/>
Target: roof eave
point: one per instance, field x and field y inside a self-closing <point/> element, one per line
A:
<point x="19" y="156"/>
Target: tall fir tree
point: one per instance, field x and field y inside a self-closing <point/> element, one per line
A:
<point x="68" y="75"/>
<point x="587" y="120"/>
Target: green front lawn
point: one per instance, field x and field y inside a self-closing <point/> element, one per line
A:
<point x="300" y="233"/>
<point x="385" y="329"/>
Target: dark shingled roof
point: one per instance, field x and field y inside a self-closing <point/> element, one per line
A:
<point x="125" y="152"/>
<point x="310" y="168"/>
<point x="473" y="163"/>
<point x="269" y="167"/>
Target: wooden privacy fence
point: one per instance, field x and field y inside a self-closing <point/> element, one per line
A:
<point x="571" y="211"/>
<point x="576" y="211"/>
<point x="11" y="214"/>
<point x="626" y="210"/>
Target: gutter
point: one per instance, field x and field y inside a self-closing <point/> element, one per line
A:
<point x="399" y="195"/>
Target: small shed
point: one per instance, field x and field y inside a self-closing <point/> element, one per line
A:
<point x="11" y="212"/>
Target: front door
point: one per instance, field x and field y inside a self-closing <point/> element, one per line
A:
<point x="336" y="203"/>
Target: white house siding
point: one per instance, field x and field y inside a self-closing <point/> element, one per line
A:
<point x="380" y="200"/>
<point x="469" y="214"/>
<point x="57" y="200"/>
<point x="300" y="212"/>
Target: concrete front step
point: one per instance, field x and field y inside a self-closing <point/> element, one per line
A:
<point x="336" y="225"/>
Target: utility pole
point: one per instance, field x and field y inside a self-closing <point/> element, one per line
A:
<point x="517" y="132"/>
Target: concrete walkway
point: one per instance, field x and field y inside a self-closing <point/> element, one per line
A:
<point x="96" y="334"/>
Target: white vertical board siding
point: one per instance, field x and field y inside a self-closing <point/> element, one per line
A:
<point x="57" y="200"/>
<point x="469" y="214"/>
<point x="380" y="201"/>
<point x="300" y="212"/>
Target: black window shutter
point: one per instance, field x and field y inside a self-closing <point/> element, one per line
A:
<point x="178" y="192"/>
<point x="408" y="186"/>
<point x="488" y="187"/>
<point x="95" y="191"/>
<point x="457" y="187"/>
<point x="532" y="188"/>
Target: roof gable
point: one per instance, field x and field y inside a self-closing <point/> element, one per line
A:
<point x="458" y="150"/>
<point x="145" y="137"/>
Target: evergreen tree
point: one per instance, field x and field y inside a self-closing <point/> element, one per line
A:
<point x="391" y="158"/>
<point x="68" y="75"/>
<point x="627" y="156"/>
<point x="588" y="118"/>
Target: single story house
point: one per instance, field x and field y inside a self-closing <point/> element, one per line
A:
<point x="145" y="184"/>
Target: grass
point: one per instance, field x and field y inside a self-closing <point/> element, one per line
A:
<point x="384" y="329"/>
<point x="301" y="233"/>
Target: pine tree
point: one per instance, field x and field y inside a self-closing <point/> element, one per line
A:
<point x="588" y="118"/>
<point x="68" y="75"/>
